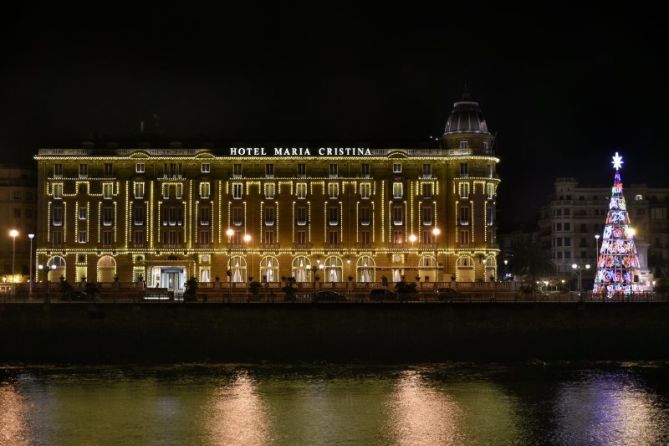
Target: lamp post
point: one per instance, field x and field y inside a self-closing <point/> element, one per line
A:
<point x="31" y="236"/>
<point x="13" y="233"/>
<point x="435" y="232"/>
<point x="597" y="249"/>
<point x="578" y="269"/>
<point x="247" y="240"/>
<point x="506" y="268"/>
<point x="229" y="232"/>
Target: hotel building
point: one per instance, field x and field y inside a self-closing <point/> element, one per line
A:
<point x="333" y="214"/>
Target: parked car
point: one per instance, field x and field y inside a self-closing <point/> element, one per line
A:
<point x="382" y="294"/>
<point x="448" y="294"/>
<point x="328" y="296"/>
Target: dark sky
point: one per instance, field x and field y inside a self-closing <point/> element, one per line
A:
<point x="562" y="88"/>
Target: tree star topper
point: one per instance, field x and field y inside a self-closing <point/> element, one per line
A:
<point x="617" y="161"/>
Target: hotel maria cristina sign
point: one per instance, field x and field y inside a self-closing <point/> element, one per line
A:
<point x="335" y="214"/>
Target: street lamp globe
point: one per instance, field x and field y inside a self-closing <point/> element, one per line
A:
<point x="230" y="232"/>
<point x="587" y="266"/>
<point x="247" y="238"/>
<point x="436" y="231"/>
<point x="31" y="236"/>
<point x="597" y="236"/>
<point x="13" y="233"/>
<point x="574" y="266"/>
<point x="412" y="238"/>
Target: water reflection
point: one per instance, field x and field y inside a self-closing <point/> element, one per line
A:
<point x="13" y="416"/>
<point x="612" y="409"/>
<point x="236" y="414"/>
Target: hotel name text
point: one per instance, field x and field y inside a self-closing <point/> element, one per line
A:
<point x="300" y="151"/>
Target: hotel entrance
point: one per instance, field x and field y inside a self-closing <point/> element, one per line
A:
<point x="171" y="278"/>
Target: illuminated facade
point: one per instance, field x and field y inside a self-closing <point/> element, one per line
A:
<point x="332" y="214"/>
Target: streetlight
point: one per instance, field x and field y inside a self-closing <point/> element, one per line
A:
<point x="506" y="269"/>
<point x="247" y="239"/>
<point x="597" y="249"/>
<point x="435" y="233"/>
<point x="13" y="233"/>
<point x="578" y="269"/>
<point x="31" y="236"/>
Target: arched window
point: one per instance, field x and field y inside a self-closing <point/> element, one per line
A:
<point x="366" y="268"/>
<point x="490" y="268"/>
<point x="464" y="269"/>
<point x="333" y="269"/>
<point x="427" y="268"/>
<point x="269" y="269"/>
<point x="106" y="269"/>
<point x="301" y="269"/>
<point x="56" y="268"/>
<point x="205" y="275"/>
<point x="237" y="268"/>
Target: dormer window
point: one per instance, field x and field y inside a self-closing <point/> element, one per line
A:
<point x="464" y="144"/>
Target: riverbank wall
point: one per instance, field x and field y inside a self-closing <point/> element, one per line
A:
<point x="398" y="332"/>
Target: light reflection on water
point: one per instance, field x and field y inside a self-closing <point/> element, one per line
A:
<point x="450" y="404"/>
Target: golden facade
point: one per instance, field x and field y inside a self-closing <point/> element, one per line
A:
<point x="332" y="214"/>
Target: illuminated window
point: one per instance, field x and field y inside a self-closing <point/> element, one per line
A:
<point x="398" y="236"/>
<point x="83" y="213"/>
<point x="58" y="190"/>
<point x="140" y="168"/>
<point x="237" y="216"/>
<point x="333" y="190"/>
<point x="204" y="215"/>
<point x="427" y="170"/>
<point x="398" y="215"/>
<point x="365" y="170"/>
<point x="205" y="190"/>
<point x="205" y="168"/>
<point x="464" y="215"/>
<point x="638" y="197"/>
<point x="237" y="171"/>
<point x="166" y="191"/>
<point x="82" y="237"/>
<point x="397" y="168"/>
<point x="107" y="190"/>
<point x="490" y="214"/>
<point x="491" y="170"/>
<point x="179" y="191"/>
<point x="57" y="215"/>
<point x="333" y="215"/>
<point x="365" y="190"/>
<point x="138" y="215"/>
<point x="270" y="190"/>
<point x="107" y="216"/>
<point x="301" y="215"/>
<point x="464" y="171"/>
<point x="237" y="190"/>
<point x="334" y="170"/>
<point x="427" y="215"/>
<point x="365" y="216"/>
<point x="301" y="190"/>
<point x="490" y="189"/>
<point x="83" y="170"/>
<point x="464" y="190"/>
<point x="301" y="170"/>
<point x="398" y="190"/>
<point x="138" y="189"/>
<point x="58" y="170"/>
<point x="269" y="170"/>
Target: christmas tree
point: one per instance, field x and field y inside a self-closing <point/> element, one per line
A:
<point x="618" y="263"/>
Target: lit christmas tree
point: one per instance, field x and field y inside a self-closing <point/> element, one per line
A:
<point x="618" y="263"/>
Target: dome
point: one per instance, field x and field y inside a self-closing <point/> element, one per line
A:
<point x="466" y="117"/>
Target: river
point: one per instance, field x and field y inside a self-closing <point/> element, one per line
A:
<point x="307" y="404"/>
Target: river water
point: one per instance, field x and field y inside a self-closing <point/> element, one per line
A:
<point x="446" y="404"/>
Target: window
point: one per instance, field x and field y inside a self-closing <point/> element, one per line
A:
<point x="490" y="189"/>
<point x="82" y="237"/>
<point x="301" y="215"/>
<point x="179" y="191"/>
<point x="205" y="189"/>
<point x="464" y="144"/>
<point x="464" y="215"/>
<point x="173" y="216"/>
<point x="58" y="170"/>
<point x="365" y="237"/>
<point x="333" y="190"/>
<point x="140" y="168"/>
<point x="464" y="190"/>
<point x="83" y="170"/>
<point x="270" y="190"/>
<point x="398" y="215"/>
<point x="107" y="238"/>
<point x="365" y="190"/>
<point x="107" y="190"/>
<point x="58" y="190"/>
<point x="17" y="195"/>
<point x="301" y="237"/>
<point x="138" y="189"/>
<point x="334" y="170"/>
<point x="83" y="212"/>
<point x="364" y="168"/>
<point x="490" y="214"/>
<point x="138" y="237"/>
<point x="463" y="169"/>
<point x="567" y="255"/>
<point x="205" y="168"/>
<point x="427" y="170"/>
<point x="491" y="170"/>
<point x="427" y="215"/>
<point x="333" y="237"/>
<point x="237" y="190"/>
<point x="109" y="170"/>
<point x="268" y="237"/>
<point x="237" y="171"/>
<point x="365" y="216"/>
<point x="397" y="236"/>
<point x="397" y="168"/>
<point x="107" y="216"/>
<point x="301" y="190"/>
<point x="82" y="188"/>
<point x="427" y="237"/>
<point x="301" y="170"/>
<point x="567" y="226"/>
<point x="204" y="215"/>
<point x="270" y="215"/>
<point x="57" y="215"/>
<point x="17" y="212"/>
<point x="558" y="241"/>
<point x="427" y="190"/>
<point x="658" y="214"/>
<point x="464" y="237"/>
<point x="398" y="190"/>
<point x="166" y="191"/>
<point x="57" y="237"/>
<point x="138" y="215"/>
<point x="203" y="237"/>
<point x="333" y="215"/>
<point x="269" y="170"/>
<point x="237" y="218"/>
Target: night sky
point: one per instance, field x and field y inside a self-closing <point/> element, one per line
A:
<point x="563" y="89"/>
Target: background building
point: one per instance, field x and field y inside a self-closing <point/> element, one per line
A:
<point x="17" y="211"/>
<point x="312" y="213"/>
<point x="575" y="214"/>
